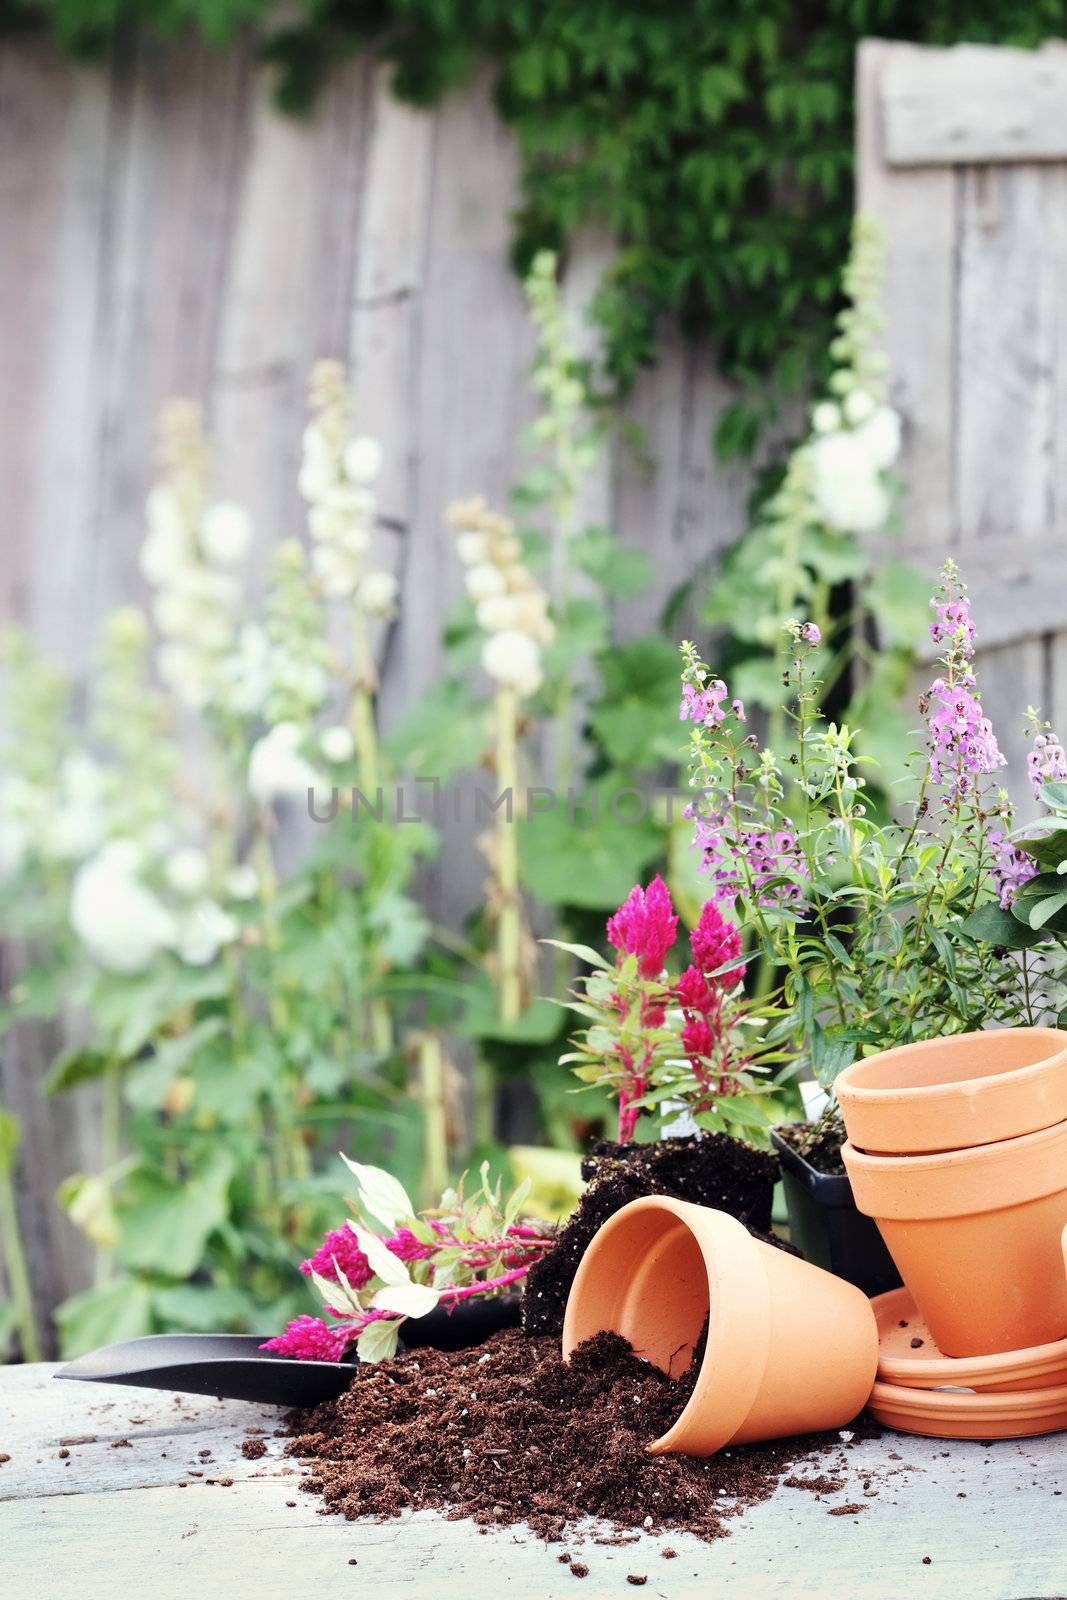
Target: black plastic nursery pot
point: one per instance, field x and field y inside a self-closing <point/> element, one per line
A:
<point x="826" y="1227"/>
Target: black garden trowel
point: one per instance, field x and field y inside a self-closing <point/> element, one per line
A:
<point x="232" y="1366"/>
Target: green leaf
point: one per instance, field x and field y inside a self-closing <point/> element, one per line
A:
<point x="79" y="1065"/>
<point x="995" y="926"/>
<point x="443" y="733"/>
<point x="572" y="856"/>
<point x="380" y="1194"/>
<point x="89" y="1203"/>
<point x="166" y="1224"/>
<point x="737" y="428"/>
<point x="104" y="1315"/>
<point x="898" y="598"/>
<point x="1054" y="794"/>
<point x="1048" y="850"/>
<point x="584" y="952"/>
<point x="147" y="1083"/>
<point x="539" y="1023"/>
<point x="379" y="1339"/>
<point x="1043" y="912"/>
<point x="581" y="635"/>
<point x="200" y="1307"/>
<point x="619" y="571"/>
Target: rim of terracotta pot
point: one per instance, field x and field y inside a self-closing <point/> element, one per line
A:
<point x="956" y="1183"/>
<point x="738" y="1312"/>
<point x="956" y="1091"/>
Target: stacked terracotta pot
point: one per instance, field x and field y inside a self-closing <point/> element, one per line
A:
<point x="957" y="1148"/>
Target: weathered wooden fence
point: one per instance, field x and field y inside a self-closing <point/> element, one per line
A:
<point x="963" y="155"/>
<point x="163" y="231"/>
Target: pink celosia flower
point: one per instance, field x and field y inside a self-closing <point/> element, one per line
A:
<point x="693" y="991"/>
<point x="311" y="1339"/>
<point x="339" y="1246"/>
<point x="645" y="925"/>
<point x="406" y="1247"/>
<point x="699" y="1038"/>
<point x="1046" y="762"/>
<point x="714" y="941"/>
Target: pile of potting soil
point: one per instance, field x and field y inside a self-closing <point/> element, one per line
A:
<point x="508" y="1433"/>
<point x="708" y="1170"/>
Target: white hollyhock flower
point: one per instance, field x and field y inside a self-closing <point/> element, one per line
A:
<point x="377" y="594"/>
<point x="242" y="882"/>
<point x="187" y="871"/>
<point x="337" y="743"/>
<point x="336" y="571"/>
<point x="880" y="437"/>
<point x="512" y="658"/>
<point x="175" y="615"/>
<point x="363" y="459"/>
<point x="276" y="769"/>
<point x="353" y="540"/>
<point x="79" y="825"/>
<point x="846" y="485"/>
<point x="226" y="533"/>
<point x="183" y="672"/>
<point x="316" y="478"/>
<point x="205" y="588"/>
<point x="203" y="931"/>
<point x="163" y="511"/>
<point x="485" y="580"/>
<point x="826" y="417"/>
<point x="164" y="554"/>
<point x="244" y="674"/>
<point x="498" y="612"/>
<point x="122" y="924"/>
<point x="858" y="406"/>
<point x="473" y="547"/>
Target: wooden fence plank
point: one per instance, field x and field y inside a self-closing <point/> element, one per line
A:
<point x="918" y="213"/>
<point x="976" y="103"/>
<point x="1003" y="377"/>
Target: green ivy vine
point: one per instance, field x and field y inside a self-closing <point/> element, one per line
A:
<point x="713" y="139"/>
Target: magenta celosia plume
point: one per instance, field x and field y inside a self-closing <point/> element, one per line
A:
<point x="311" y="1339"/>
<point x="646" y="926"/>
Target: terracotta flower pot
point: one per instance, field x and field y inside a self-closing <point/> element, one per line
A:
<point x="976" y="1235"/>
<point x="790" y="1348"/>
<point x="956" y="1092"/>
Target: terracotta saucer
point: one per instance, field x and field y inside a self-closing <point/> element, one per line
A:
<point x="955" y="1414"/>
<point x="922" y="1366"/>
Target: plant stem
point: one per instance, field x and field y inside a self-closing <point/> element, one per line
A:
<point x="365" y="685"/>
<point x="430" y="1062"/>
<point x="365" y="733"/>
<point x="277" y="1005"/>
<point x="18" y="1277"/>
<point x="509" y="918"/>
<point x="110" y="1149"/>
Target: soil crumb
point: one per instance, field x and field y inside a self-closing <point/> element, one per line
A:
<point x="508" y="1433"/>
<point x="252" y="1449"/>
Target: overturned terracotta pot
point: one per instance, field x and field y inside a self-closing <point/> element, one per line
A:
<point x="957" y="1092"/>
<point x="790" y="1349"/>
<point x="976" y="1235"/>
